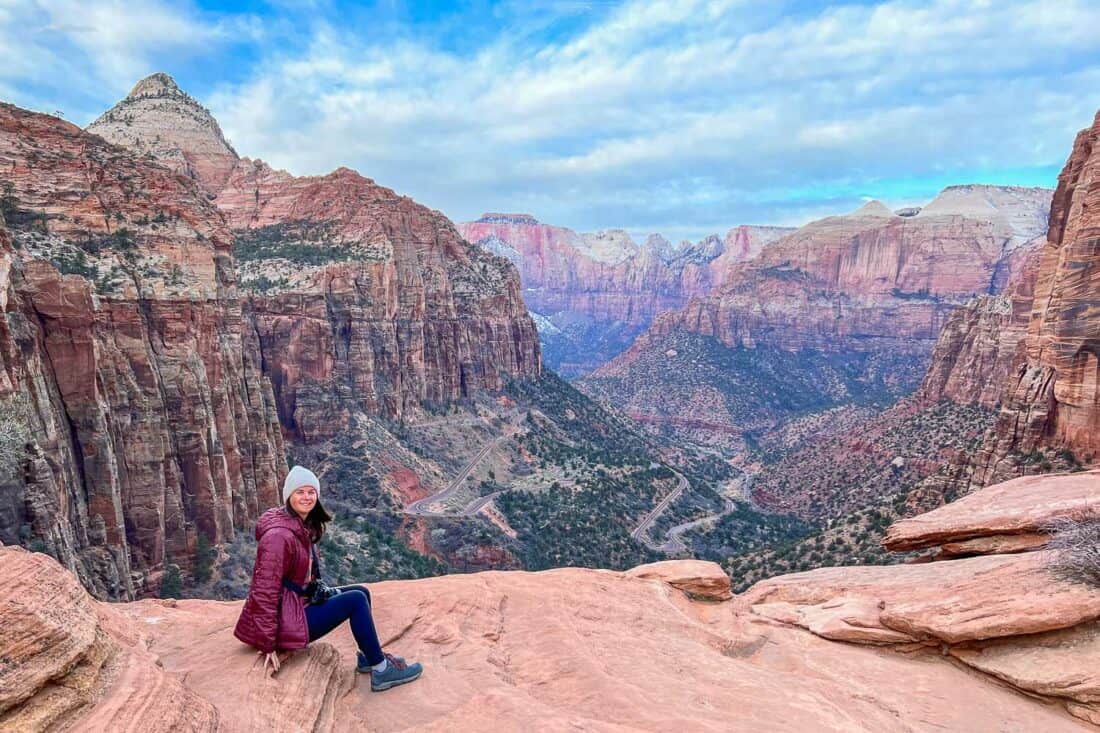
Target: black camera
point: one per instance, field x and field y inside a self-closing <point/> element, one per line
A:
<point x="318" y="591"/>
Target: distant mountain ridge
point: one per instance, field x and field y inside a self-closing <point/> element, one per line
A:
<point x="601" y="289"/>
<point x="872" y="285"/>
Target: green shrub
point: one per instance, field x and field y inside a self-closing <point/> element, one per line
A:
<point x="171" y="585"/>
<point x="204" y="559"/>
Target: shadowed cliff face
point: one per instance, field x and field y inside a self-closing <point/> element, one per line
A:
<point x="982" y="342"/>
<point x="1052" y="399"/>
<point x="152" y="420"/>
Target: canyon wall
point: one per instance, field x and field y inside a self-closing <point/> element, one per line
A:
<point x="414" y="315"/>
<point x="982" y="342"/>
<point x="1051" y="400"/>
<point x="158" y="375"/>
<point x="600" y="290"/>
<point x="361" y="299"/>
<point x="125" y="346"/>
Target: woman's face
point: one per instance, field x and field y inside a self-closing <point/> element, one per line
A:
<point x="303" y="500"/>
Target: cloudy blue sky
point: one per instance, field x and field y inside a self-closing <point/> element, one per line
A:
<point x="680" y="117"/>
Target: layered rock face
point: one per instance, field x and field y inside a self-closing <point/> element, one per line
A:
<point x="605" y="280"/>
<point x="363" y="299"/>
<point x="982" y="342"/>
<point x="868" y="276"/>
<point x="1052" y="399"/>
<point x="413" y="315"/>
<point x="151" y="419"/>
<point x="849" y="648"/>
<point x="1006" y="517"/>
<point x="873" y="288"/>
<point x="73" y="664"/>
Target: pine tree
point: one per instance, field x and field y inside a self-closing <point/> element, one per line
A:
<point x="171" y="585"/>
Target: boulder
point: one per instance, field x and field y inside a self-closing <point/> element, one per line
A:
<point x="68" y="662"/>
<point x="700" y="580"/>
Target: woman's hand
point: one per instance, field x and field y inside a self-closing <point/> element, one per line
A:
<point x="271" y="658"/>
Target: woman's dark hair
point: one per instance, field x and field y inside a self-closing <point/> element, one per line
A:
<point x="315" y="521"/>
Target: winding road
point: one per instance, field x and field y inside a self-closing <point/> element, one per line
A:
<point x="641" y="532"/>
<point x="673" y="544"/>
<point x="420" y="506"/>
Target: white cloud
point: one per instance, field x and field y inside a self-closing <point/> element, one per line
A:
<point x="69" y="48"/>
<point x="687" y="115"/>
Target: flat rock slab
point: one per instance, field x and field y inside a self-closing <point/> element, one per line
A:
<point x="951" y="601"/>
<point x="561" y="650"/>
<point x="300" y="697"/>
<point x="585" y="650"/>
<point x="1019" y="506"/>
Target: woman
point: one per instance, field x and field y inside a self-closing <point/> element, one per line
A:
<point x="289" y="605"/>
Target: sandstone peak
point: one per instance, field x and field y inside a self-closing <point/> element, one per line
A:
<point x="610" y="246"/>
<point x="874" y="207"/>
<point x="160" y="119"/>
<point x="660" y="247"/>
<point x="1019" y="213"/>
<point x="154" y="85"/>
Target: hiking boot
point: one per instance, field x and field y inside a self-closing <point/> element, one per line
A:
<point x="394" y="674"/>
<point x="363" y="666"/>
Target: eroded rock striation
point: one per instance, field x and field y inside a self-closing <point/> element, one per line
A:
<point x="985" y="643"/>
<point x="152" y="422"/>
<point x="70" y="663"/>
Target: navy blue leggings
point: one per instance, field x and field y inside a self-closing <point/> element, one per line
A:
<point x="353" y="603"/>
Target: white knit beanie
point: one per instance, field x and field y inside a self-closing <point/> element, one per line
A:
<point x="299" y="476"/>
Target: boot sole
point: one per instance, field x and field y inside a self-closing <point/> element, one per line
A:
<point x="394" y="683"/>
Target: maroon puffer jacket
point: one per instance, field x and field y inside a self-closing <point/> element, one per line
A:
<point x="274" y="617"/>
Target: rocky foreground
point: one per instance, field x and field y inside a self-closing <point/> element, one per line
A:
<point x="984" y="643"/>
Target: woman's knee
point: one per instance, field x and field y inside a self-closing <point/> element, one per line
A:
<point x="357" y="589"/>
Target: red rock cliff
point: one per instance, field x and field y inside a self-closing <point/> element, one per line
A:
<point x="606" y="276"/>
<point x="363" y="299"/>
<point x="415" y="315"/>
<point x="1052" y="399"/>
<point x="982" y="342"/>
<point x="152" y="421"/>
